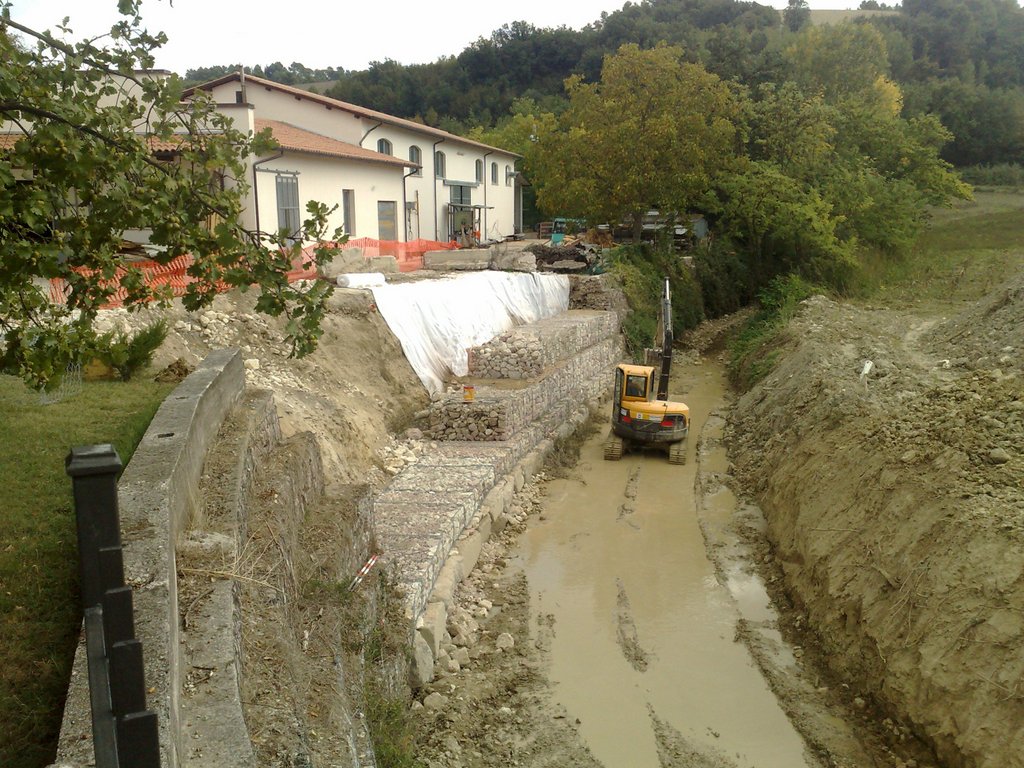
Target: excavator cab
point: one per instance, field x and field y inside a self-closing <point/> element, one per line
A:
<point x="642" y="414"/>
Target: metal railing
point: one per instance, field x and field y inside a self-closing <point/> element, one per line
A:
<point x="124" y="732"/>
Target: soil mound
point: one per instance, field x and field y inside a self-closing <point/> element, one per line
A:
<point x="885" y="450"/>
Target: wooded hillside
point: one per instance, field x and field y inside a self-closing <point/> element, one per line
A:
<point x="962" y="61"/>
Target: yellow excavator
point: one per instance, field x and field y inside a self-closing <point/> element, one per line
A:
<point x="642" y="414"/>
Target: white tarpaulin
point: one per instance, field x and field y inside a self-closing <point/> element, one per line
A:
<point x="361" y="280"/>
<point x="436" y="321"/>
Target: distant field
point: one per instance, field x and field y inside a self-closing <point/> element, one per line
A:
<point x="967" y="251"/>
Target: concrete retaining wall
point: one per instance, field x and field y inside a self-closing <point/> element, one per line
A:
<point x="211" y="711"/>
<point x="158" y="496"/>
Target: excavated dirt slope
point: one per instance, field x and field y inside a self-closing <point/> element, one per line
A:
<point x="895" y="504"/>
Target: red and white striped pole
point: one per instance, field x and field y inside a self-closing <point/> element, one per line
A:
<point x="362" y="572"/>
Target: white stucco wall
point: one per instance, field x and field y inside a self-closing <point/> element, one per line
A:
<point x="323" y="179"/>
<point x="300" y="112"/>
<point x="460" y="166"/>
<point x="427" y="193"/>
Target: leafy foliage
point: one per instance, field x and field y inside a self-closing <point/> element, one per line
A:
<point x="650" y="134"/>
<point x="724" y="277"/>
<point x="641" y="270"/>
<point x="99" y="149"/>
<point x="755" y="349"/>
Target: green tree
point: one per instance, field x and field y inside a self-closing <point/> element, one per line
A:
<point x="649" y="134"/>
<point x="797" y="15"/>
<point x="80" y="169"/>
<point x="841" y="61"/>
<point x="784" y="224"/>
<point x="794" y="131"/>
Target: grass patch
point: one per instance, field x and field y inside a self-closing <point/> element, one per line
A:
<point x="755" y="349"/>
<point x="39" y="601"/>
<point x="965" y="253"/>
<point x="387" y="705"/>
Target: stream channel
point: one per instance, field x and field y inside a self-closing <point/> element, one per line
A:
<point x="643" y="652"/>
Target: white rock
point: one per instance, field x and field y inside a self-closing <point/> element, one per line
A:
<point x="435" y="702"/>
<point x="504" y="641"/>
<point x="252" y="364"/>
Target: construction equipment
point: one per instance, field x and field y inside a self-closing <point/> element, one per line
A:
<point x="642" y="414"/>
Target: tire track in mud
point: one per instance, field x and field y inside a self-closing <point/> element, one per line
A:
<point x="629" y="640"/>
<point x="676" y="751"/>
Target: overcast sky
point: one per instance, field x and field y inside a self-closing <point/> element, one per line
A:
<point x="320" y="33"/>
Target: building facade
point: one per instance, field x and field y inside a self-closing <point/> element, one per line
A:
<point x="390" y="178"/>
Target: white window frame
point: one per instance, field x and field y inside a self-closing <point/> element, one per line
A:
<point x="348" y="211"/>
<point x="289" y="217"/>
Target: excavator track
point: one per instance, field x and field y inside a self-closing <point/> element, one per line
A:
<point x="613" y="447"/>
<point x="677" y="453"/>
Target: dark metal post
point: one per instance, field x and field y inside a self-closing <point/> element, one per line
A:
<point x="124" y="733"/>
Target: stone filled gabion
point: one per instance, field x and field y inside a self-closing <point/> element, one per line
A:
<point x="527" y="351"/>
<point x="499" y="414"/>
<point x="480" y="420"/>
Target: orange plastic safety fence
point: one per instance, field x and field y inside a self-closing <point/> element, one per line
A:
<point x="175" y="272"/>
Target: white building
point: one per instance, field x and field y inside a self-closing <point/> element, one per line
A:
<point x="392" y="179"/>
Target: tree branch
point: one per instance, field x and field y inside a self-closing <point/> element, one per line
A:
<point x="66" y="49"/>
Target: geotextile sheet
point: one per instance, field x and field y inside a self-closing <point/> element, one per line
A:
<point x="437" y="321"/>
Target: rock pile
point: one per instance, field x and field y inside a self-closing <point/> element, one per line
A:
<point x="512" y="355"/>
<point x="506" y="411"/>
<point x="596" y="292"/>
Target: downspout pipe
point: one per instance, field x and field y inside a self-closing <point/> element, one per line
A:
<point x="256" y="188"/>
<point x="487" y="175"/>
<point x="371" y="130"/>
<point x="433" y="159"/>
<point x="405" y="206"/>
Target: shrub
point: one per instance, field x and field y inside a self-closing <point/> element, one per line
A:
<point x="641" y="270"/>
<point x="998" y="175"/>
<point x="755" y="349"/>
<point x="127" y="355"/>
<point x="723" y="276"/>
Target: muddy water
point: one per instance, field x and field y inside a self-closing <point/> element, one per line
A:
<point x="643" y="649"/>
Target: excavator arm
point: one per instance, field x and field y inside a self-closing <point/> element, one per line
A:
<point x="665" y="333"/>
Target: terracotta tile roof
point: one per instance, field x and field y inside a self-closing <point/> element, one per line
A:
<point x="353" y="108"/>
<point x="300" y="140"/>
<point x="162" y="145"/>
<point x="8" y="140"/>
